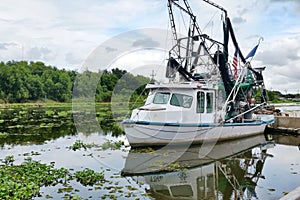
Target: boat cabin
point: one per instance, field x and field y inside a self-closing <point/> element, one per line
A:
<point x="178" y="103"/>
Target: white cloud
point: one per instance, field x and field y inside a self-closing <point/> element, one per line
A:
<point x="72" y="58"/>
<point x="5" y="45"/>
<point x="39" y="53"/>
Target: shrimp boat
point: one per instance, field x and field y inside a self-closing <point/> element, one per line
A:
<point x="204" y="100"/>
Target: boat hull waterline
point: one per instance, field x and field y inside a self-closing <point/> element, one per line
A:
<point x="141" y="133"/>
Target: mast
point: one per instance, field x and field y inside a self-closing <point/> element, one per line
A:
<point x="187" y="9"/>
<point x="183" y="48"/>
<point x="172" y="22"/>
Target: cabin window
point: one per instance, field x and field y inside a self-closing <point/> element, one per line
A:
<point x="150" y="98"/>
<point x="162" y="189"/>
<point x="181" y="191"/>
<point x="200" y="102"/>
<point x="209" y="102"/>
<point x="181" y="100"/>
<point x="161" y="98"/>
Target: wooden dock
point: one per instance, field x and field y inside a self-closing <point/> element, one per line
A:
<point x="285" y="124"/>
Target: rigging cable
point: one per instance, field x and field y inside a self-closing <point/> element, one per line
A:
<point x="183" y="20"/>
<point x="213" y="16"/>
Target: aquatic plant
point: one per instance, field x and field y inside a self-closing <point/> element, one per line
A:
<point x="89" y="177"/>
<point x="63" y="114"/>
<point x="78" y="145"/>
<point x="3" y="134"/>
<point x="8" y="160"/>
<point x="112" y="145"/>
<point x="24" y="181"/>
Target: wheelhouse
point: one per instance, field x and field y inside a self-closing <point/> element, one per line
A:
<point x="179" y="104"/>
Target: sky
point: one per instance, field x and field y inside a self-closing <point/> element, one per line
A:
<point x="131" y="34"/>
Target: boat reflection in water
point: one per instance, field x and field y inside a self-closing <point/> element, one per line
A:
<point x="223" y="171"/>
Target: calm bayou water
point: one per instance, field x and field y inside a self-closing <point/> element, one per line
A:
<point x="261" y="167"/>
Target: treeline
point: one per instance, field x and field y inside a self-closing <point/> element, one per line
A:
<point x="33" y="81"/>
<point x="277" y="97"/>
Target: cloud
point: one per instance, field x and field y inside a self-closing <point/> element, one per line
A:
<point x="282" y="52"/>
<point x="146" y="42"/>
<point x="290" y="5"/>
<point x="72" y="58"/>
<point x="37" y="53"/>
<point x="281" y="57"/>
<point x="59" y="25"/>
<point x="4" y="46"/>
<point x="285" y="1"/>
<point x="238" y="20"/>
<point x="143" y="62"/>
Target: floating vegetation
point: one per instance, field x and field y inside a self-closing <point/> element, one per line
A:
<point x="112" y="145"/>
<point x="65" y="189"/>
<point x="27" y="125"/>
<point x="76" y="197"/>
<point x="63" y="114"/>
<point x="49" y="112"/>
<point x="78" y="145"/>
<point x="8" y="160"/>
<point x="129" y="187"/>
<point x="48" y="196"/>
<point x="3" y="134"/>
<point x="32" y="154"/>
<point x="89" y="177"/>
<point x="22" y="119"/>
<point x="109" y="196"/>
<point x="24" y="181"/>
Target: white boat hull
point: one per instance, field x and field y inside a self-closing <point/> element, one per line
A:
<point x="159" y="134"/>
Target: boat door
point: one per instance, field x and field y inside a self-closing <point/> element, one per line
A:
<point x="206" y="106"/>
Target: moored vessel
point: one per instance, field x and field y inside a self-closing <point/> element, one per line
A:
<point x="205" y="99"/>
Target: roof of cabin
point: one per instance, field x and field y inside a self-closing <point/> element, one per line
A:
<point x="187" y="85"/>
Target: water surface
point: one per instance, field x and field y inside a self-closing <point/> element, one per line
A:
<point x="261" y="167"/>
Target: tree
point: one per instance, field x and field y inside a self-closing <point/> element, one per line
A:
<point x="22" y="81"/>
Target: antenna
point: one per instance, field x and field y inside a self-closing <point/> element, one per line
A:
<point x="152" y="75"/>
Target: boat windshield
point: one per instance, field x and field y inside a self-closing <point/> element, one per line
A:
<point x="161" y="98"/>
<point x="181" y="100"/>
